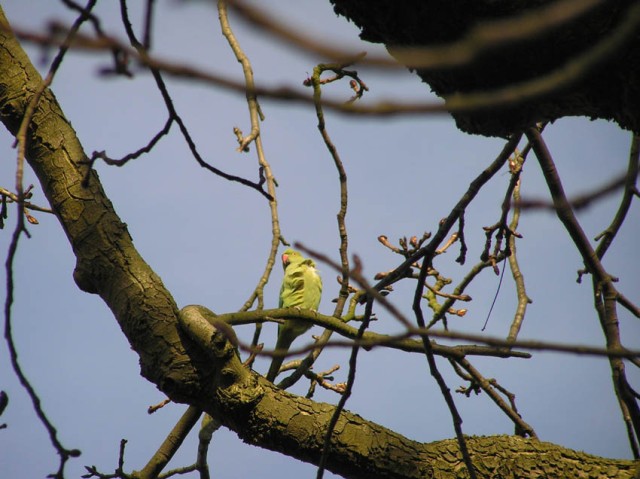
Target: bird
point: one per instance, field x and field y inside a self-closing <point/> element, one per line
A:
<point x="301" y="288"/>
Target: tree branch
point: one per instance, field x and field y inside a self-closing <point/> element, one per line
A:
<point x="171" y="444"/>
<point x="605" y="294"/>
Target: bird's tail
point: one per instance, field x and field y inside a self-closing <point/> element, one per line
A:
<point x="282" y="346"/>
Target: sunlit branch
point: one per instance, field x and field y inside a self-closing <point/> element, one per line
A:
<point x="266" y="173"/>
<point x="247" y="71"/>
<point x="501" y="228"/>
<point x="171" y="444"/>
<point x="322" y="379"/>
<point x="316" y="83"/>
<point x="500" y="347"/>
<point x="208" y="427"/>
<point x="516" y="273"/>
<point x="453" y="296"/>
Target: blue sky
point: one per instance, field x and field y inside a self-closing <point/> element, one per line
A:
<point x="208" y="239"/>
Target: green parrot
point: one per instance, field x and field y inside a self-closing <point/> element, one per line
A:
<point x="301" y="288"/>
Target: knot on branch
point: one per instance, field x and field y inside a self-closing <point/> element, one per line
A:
<point x="83" y="278"/>
<point x="218" y="340"/>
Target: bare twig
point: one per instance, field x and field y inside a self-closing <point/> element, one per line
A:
<point x="321" y="379"/>
<point x="156" y="407"/>
<point x="343" y="294"/>
<point x="155" y="70"/>
<point x="501" y="228"/>
<point x="208" y="427"/>
<point x="518" y="278"/>
<point x="148" y="24"/>
<point x="585" y="200"/>
<point x="488" y="387"/>
<point x="102" y="155"/>
<point x="445" y="226"/>
<point x="457" y="297"/>
<point x="433" y="368"/>
<point x="351" y="376"/>
<point x="27" y="204"/>
<point x="630" y="190"/>
<point x="345" y="389"/>
<point x="247" y="71"/>
<point x="605" y="294"/>
<point x="266" y="173"/>
<point x="120" y="58"/>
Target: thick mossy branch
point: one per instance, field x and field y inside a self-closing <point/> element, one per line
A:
<point x="274" y="419"/>
<point x="218" y="341"/>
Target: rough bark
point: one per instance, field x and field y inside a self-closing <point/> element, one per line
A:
<point x="273" y="419"/>
<point x="609" y="90"/>
<point x="180" y="363"/>
<point x="107" y="263"/>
